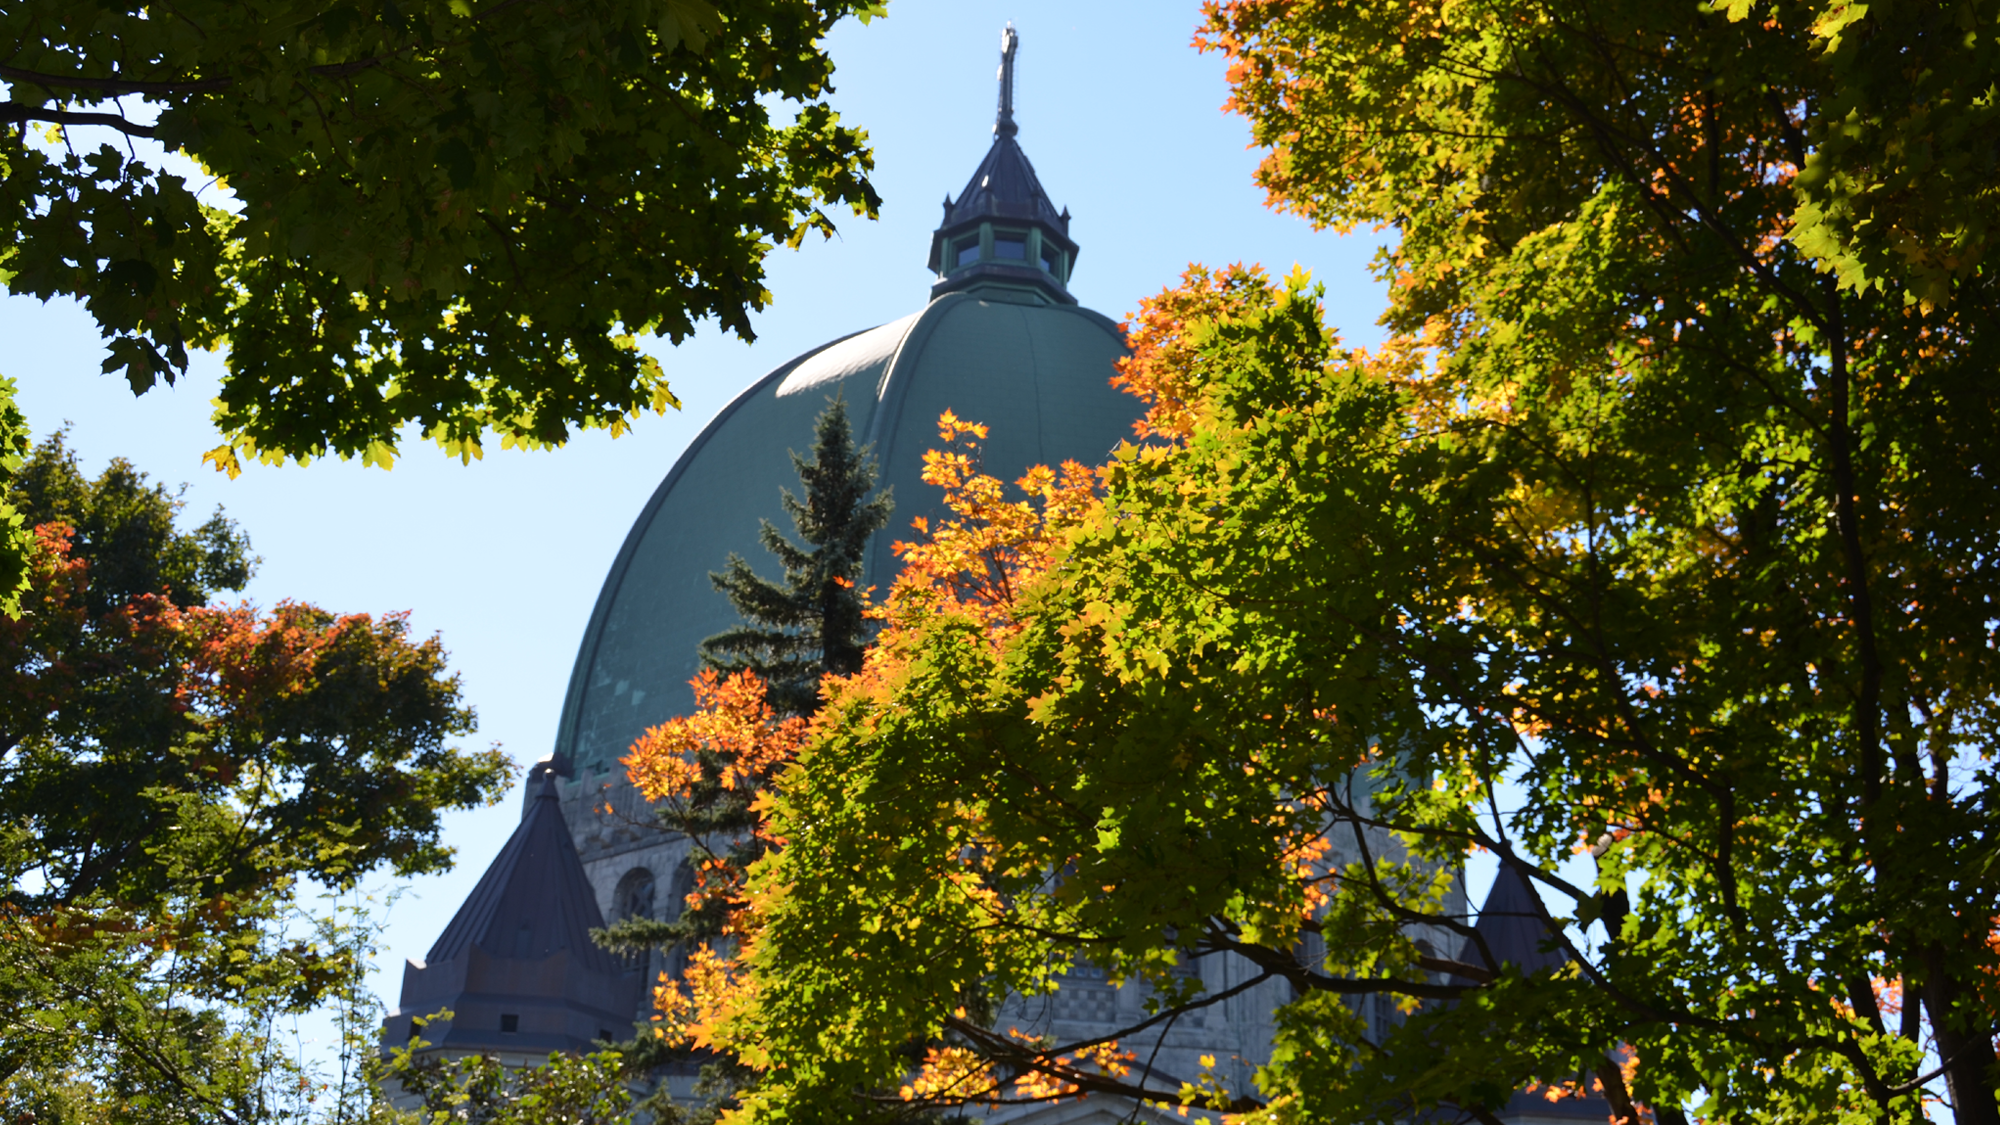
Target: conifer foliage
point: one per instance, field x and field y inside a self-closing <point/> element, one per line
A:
<point x="811" y="624"/>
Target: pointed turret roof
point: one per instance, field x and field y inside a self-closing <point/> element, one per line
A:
<point x="1003" y="229"/>
<point x="535" y="898"/>
<point x="1004" y="186"/>
<point x="516" y="966"/>
<point x="1512" y="926"/>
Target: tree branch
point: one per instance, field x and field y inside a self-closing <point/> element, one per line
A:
<point x="1169" y="1015"/>
<point x="1001" y="1048"/>
<point x="1283" y="964"/>
<point x="111" y="87"/>
<point x="19" y="112"/>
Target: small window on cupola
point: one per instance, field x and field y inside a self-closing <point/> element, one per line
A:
<point x="1010" y="247"/>
<point x="1051" y="260"/>
<point x="968" y="252"/>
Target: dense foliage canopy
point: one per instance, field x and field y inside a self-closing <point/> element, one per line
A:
<point x="450" y="214"/>
<point x="1652" y="554"/>
<point x="16" y="538"/>
<point x="1708" y="285"/>
<point x="172" y="771"/>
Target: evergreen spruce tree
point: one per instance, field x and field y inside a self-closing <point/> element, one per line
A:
<point x="810" y="624"/>
<point x="793" y="632"/>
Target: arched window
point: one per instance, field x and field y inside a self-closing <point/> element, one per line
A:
<point x="677" y="894"/>
<point x="634" y="897"/>
<point x="683" y="886"/>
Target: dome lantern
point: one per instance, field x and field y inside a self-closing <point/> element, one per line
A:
<point x="1003" y="230"/>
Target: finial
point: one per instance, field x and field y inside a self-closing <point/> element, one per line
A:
<point x="541" y="786"/>
<point x="1004" y="125"/>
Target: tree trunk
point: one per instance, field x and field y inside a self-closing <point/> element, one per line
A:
<point x="1967" y="1051"/>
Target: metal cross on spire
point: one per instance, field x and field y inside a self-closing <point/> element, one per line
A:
<point x="1004" y="125"/>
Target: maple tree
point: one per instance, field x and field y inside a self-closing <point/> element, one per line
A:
<point x="995" y="802"/>
<point x="1707" y="283"/>
<point x="451" y="216"/>
<point x="741" y="738"/>
<point x="1651" y="554"/>
<point x="1300" y="597"/>
<point x="173" y="772"/>
<point x="725" y="755"/>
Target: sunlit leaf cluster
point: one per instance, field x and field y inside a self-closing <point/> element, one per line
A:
<point x="455" y="216"/>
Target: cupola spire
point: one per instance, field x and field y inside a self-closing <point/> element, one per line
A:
<point x="1002" y="230"/>
<point x="1003" y="125"/>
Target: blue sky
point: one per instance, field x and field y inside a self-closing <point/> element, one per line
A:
<point x="504" y="557"/>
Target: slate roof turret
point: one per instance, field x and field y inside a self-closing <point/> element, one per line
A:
<point x="516" y="964"/>
<point x="1510" y="921"/>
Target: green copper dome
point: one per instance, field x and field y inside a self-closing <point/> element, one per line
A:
<point x="1001" y="342"/>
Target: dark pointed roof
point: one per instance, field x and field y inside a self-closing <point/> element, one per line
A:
<point x="1005" y="193"/>
<point x="516" y="966"/>
<point x="535" y="899"/>
<point x="1005" y="186"/>
<point x="1511" y="922"/>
